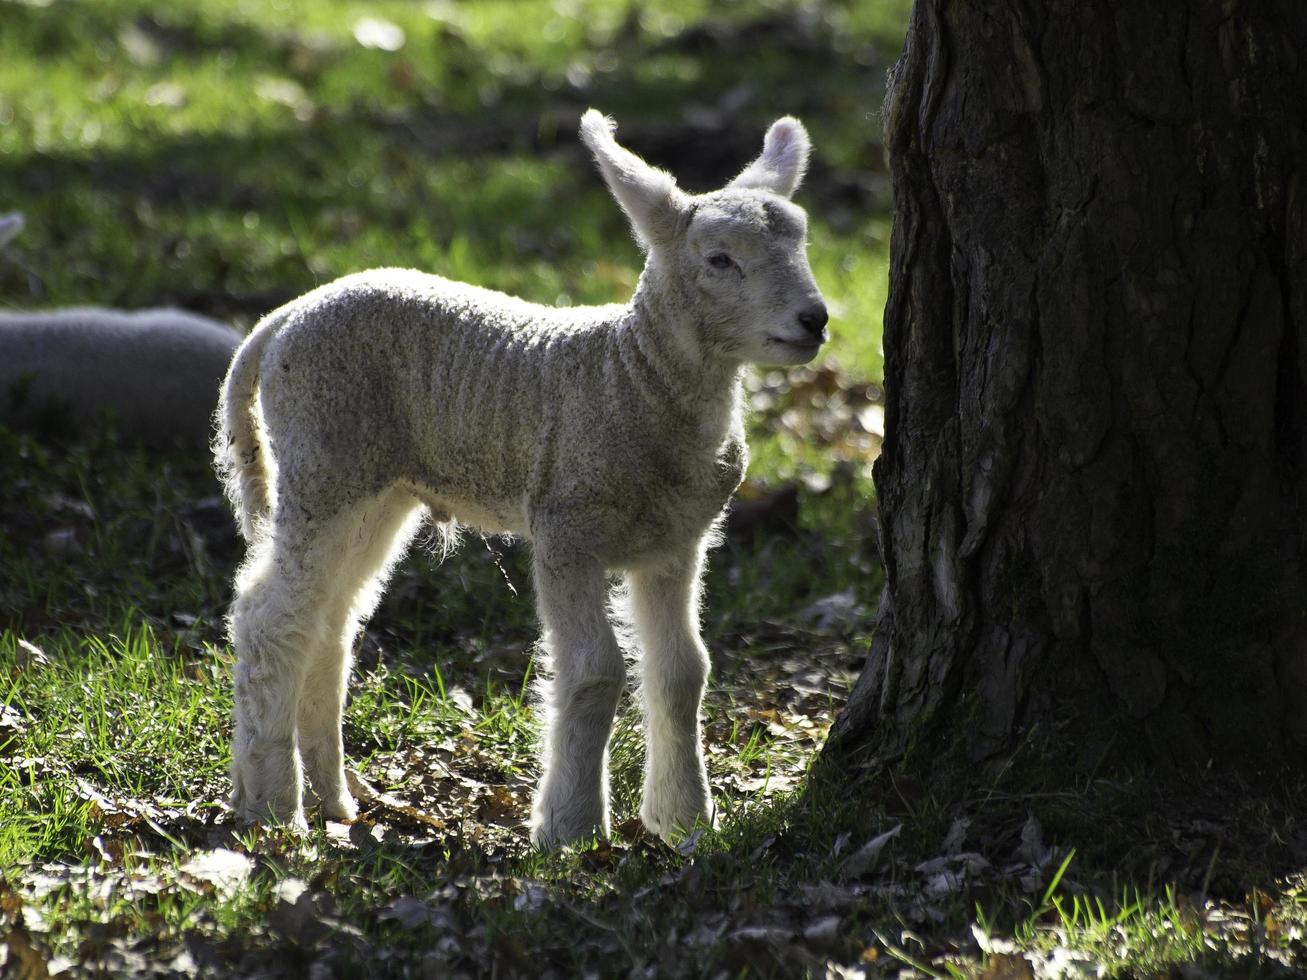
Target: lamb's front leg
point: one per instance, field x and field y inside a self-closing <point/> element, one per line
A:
<point x="586" y="677"/>
<point x="674" y="674"/>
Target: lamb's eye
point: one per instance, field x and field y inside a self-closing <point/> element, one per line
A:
<point x="720" y="261"/>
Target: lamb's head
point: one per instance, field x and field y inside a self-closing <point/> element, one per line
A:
<point x="736" y="257"/>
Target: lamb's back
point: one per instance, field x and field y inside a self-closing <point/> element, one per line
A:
<point x="409" y="375"/>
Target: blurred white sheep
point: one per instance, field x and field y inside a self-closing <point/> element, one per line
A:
<point x="155" y="372"/>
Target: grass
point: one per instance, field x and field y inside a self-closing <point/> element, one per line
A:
<point x="226" y="156"/>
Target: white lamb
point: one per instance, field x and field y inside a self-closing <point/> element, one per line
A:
<point x="610" y="437"/>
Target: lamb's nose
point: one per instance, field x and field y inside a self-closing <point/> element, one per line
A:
<point x="814" y="320"/>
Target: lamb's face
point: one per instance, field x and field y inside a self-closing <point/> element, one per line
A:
<point x="744" y="256"/>
<point x="738" y="256"/>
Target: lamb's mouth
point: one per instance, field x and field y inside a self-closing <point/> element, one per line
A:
<point x="804" y="345"/>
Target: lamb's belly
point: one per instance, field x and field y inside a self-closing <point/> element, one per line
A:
<point x="491" y="516"/>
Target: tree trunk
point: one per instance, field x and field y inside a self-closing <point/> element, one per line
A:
<point x="1093" y="482"/>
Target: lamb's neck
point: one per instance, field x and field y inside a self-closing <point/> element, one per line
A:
<point x="663" y="344"/>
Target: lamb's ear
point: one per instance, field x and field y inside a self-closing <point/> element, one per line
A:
<point x="649" y="196"/>
<point x="783" y="161"/>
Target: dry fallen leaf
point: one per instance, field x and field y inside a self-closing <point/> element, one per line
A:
<point x="223" y="870"/>
<point x="957" y="835"/>
<point x="687" y="847"/>
<point x="413" y="913"/>
<point x="364" y="792"/>
<point x="295" y="914"/>
<point x="531" y="898"/>
<point x="823" y="929"/>
<point x="1007" y="966"/>
<point x="12" y="724"/>
<point x="30" y="656"/>
<point x="1032" y="850"/>
<point x="836" y="612"/>
<point x="501" y="805"/>
<point x="408" y="911"/>
<point x="24" y="958"/>
<point x="865" y="858"/>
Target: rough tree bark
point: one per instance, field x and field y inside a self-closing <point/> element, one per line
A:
<point x="1093" y="484"/>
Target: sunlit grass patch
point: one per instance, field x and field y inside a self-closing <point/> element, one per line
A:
<point x="119" y="712"/>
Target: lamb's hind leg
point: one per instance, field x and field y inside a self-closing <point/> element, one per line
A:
<point x="373" y="547"/>
<point x="587" y="676"/>
<point x="674" y="673"/>
<point x="277" y="619"/>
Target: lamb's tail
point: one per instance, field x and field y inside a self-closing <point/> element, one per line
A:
<point x="237" y="456"/>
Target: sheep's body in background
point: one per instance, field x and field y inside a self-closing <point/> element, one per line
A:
<point x="610" y="437"/>
<point x="156" y="372"/>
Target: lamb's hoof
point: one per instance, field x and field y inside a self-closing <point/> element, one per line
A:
<point x="341" y="808"/>
<point x="553" y="830"/>
<point x="335" y="804"/>
<point x="674" y="823"/>
<point x="550" y="839"/>
<point x="267" y="813"/>
<point x="264" y="817"/>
